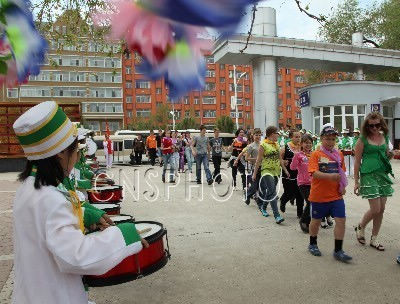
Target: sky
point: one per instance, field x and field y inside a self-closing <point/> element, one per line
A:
<point x="291" y="23"/>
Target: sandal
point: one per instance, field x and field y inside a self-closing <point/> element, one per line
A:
<point x="376" y="245"/>
<point x="360" y="234"/>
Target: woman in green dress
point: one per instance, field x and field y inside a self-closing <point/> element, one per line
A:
<point x="371" y="174"/>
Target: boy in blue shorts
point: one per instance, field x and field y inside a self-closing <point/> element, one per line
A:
<point x="329" y="181"/>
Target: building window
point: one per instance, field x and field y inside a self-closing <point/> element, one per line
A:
<point x="222" y="92"/>
<point x="298" y="115"/>
<point x="342" y="117"/>
<point x="247" y="102"/>
<point x="187" y="114"/>
<point x="196" y="101"/>
<point x="129" y="84"/>
<point x="143" y="113"/>
<point x="35" y="92"/>
<point x="69" y="92"/>
<point x="223" y="106"/>
<point x="158" y="91"/>
<point x="239" y="101"/>
<point x="142" y="84"/>
<point x="127" y="70"/>
<point x="209" y="100"/>
<point x="222" y="79"/>
<point x="287" y="83"/>
<point x="280" y="115"/>
<point x="222" y="66"/>
<point x="279" y="77"/>
<point x="247" y="115"/>
<point x="280" y="90"/>
<point x="288" y="95"/>
<point x="288" y="108"/>
<point x="197" y="113"/>
<point x="247" y="89"/>
<point x="103" y="107"/>
<point x="289" y="121"/>
<point x="143" y="98"/>
<point x="299" y="79"/>
<point x="93" y="125"/>
<point x="279" y="102"/>
<point x="129" y="99"/>
<point x="209" y="113"/>
<point x="287" y="71"/>
<point x="210" y="86"/>
<point x="106" y="92"/>
<point x="210" y="59"/>
<point x="239" y="87"/>
<point x="210" y="73"/>
<point x="233" y="114"/>
<point x="113" y="125"/>
<point x="186" y="100"/>
<point x="43" y="76"/>
<point x="12" y="93"/>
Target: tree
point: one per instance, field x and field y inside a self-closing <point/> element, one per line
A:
<point x="225" y="124"/>
<point x="141" y="123"/>
<point x="161" y="118"/>
<point x="187" y="123"/>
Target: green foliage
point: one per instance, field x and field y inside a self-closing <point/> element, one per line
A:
<point x="141" y="123"/>
<point x="187" y="123"/>
<point x="380" y="23"/>
<point x="225" y="124"/>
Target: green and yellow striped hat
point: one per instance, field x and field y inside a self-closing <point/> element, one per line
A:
<point x="44" y="130"/>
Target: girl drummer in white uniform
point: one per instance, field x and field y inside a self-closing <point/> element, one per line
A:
<point x="51" y="251"/>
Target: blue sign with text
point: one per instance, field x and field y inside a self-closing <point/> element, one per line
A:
<point x="305" y="99"/>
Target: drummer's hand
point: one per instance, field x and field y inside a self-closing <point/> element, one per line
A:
<point x="102" y="224"/>
<point x="144" y="243"/>
<point x="108" y="219"/>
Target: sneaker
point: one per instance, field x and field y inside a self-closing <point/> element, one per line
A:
<point x="279" y="219"/>
<point x="163" y="178"/>
<point x="329" y="221"/>
<point x="342" y="256"/>
<point x="199" y="182"/>
<point x="314" y="250"/>
<point x="292" y="202"/>
<point x="264" y="212"/>
<point x="246" y="199"/>
<point x="209" y="182"/>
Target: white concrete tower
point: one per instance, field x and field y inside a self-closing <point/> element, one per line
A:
<point x="265" y="73"/>
<point x="357" y="39"/>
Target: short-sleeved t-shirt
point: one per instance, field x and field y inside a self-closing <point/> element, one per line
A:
<point x="323" y="190"/>
<point x="216" y="146"/>
<point x="167" y="143"/>
<point x="252" y="149"/>
<point x="270" y="164"/>
<point x="201" y="144"/>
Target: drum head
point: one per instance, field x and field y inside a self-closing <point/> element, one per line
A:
<point x="92" y="147"/>
<point x="156" y="230"/>
<point x="122" y="218"/>
<point x="107" y="188"/>
<point x="105" y="206"/>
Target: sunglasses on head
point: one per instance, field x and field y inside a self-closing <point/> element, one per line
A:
<point x="371" y="126"/>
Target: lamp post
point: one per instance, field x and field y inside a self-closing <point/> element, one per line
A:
<point x="173" y="117"/>
<point x="235" y="82"/>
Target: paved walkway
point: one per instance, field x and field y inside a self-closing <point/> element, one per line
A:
<point x="226" y="252"/>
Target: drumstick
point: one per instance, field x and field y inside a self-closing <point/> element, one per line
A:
<point x="144" y="230"/>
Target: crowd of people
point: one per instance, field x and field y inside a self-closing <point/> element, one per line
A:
<point x="313" y="171"/>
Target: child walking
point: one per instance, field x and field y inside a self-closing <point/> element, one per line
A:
<point x="300" y="164"/>
<point x="270" y="160"/>
<point x="327" y="189"/>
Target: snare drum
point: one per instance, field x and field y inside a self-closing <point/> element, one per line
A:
<point x="105" y="194"/>
<point x="122" y="218"/>
<point x="138" y="265"/>
<point x="110" y="209"/>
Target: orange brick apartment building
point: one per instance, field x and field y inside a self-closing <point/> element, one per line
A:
<point x="141" y="97"/>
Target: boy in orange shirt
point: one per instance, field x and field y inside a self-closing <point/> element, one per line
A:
<point x="327" y="189"/>
<point x="151" y="145"/>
